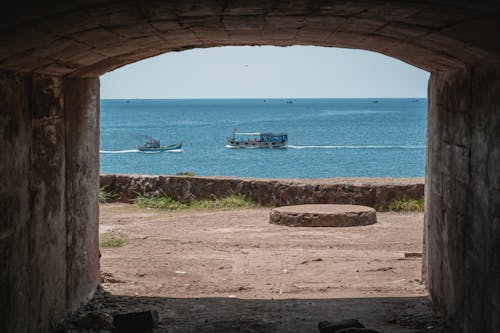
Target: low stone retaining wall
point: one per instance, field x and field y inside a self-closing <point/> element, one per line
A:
<point x="373" y="192"/>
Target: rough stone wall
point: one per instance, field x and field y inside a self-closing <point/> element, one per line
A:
<point x="48" y="225"/>
<point x="463" y="197"/>
<point x="373" y="192"/>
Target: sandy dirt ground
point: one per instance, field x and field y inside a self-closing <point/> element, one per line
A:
<point x="232" y="271"/>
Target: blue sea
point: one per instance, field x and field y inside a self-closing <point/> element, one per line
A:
<point x="327" y="137"/>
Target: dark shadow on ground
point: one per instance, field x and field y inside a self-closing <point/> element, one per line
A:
<point x="221" y="315"/>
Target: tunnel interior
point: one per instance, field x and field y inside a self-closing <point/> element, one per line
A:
<point x="52" y="54"/>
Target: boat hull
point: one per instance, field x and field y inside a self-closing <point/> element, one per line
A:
<point x="160" y="149"/>
<point x="255" y="144"/>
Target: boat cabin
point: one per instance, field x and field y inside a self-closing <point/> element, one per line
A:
<point x="270" y="137"/>
<point x="152" y="144"/>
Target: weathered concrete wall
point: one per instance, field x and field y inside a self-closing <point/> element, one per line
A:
<point x="463" y="197"/>
<point x="48" y="229"/>
<point x="47" y="222"/>
<point x="15" y="151"/>
<point x="82" y="179"/>
<point x="373" y="192"/>
<point x="436" y="35"/>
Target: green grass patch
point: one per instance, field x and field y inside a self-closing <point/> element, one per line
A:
<point x="406" y="205"/>
<point x="159" y="202"/>
<point x="108" y="239"/>
<point x="184" y="173"/>
<point x="107" y="196"/>
<point x="233" y="201"/>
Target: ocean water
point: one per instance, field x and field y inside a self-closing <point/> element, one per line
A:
<point x="327" y="137"/>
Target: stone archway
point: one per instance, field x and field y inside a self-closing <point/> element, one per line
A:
<point x="51" y="55"/>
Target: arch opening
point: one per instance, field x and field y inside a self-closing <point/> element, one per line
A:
<point x="200" y="97"/>
<point x="237" y="261"/>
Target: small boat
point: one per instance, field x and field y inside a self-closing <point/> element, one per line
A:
<point x="257" y="140"/>
<point x="154" y="146"/>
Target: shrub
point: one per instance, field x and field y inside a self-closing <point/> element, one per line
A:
<point x="184" y="173"/>
<point x="406" y="205"/>
<point x="107" y="196"/>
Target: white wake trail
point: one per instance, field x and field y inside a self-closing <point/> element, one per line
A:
<point x="119" y="151"/>
<point x="138" y="151"/>
<point x="356" y="147"/>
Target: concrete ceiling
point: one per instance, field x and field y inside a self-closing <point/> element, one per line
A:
<point x="89" y="38"/>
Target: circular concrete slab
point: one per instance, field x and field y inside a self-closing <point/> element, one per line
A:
<point x="327" y="215"/>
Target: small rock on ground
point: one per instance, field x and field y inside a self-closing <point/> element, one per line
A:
<point x="95" y="320"/>
<point x="357" y="330"/>
<point x="333" y="327"/>
<point x="136" y="321"/>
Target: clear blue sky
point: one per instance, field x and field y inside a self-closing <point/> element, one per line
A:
<point x="266" y="72"/>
